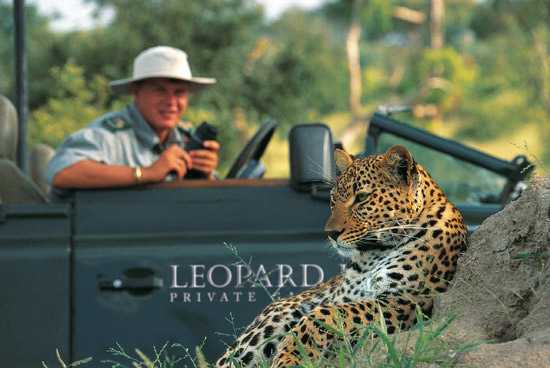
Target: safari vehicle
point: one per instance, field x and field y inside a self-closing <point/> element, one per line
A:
<point x="189" y="260"/>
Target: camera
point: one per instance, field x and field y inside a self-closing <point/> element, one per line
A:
<point x="204" y="132"/>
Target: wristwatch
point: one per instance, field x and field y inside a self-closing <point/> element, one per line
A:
<point x="138" y="174"/>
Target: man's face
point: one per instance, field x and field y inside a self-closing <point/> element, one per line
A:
<point x="161" y="101"/>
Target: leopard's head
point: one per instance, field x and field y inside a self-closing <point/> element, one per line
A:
<point x="372" y="201"/>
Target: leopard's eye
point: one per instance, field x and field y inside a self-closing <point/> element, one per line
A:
<point x="361" y="197"/>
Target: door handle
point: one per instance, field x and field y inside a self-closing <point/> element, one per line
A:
<point x="127" y="284"/>
<point x="133" y="280"/>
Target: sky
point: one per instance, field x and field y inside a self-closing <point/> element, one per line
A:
<point x="75" y="14"/>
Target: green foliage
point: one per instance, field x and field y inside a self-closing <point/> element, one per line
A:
<point x="458" y="17"/>
<point x="495" y="17"/>
<point x="62" y="363"/>
<point x="216" y="34"/>
<point x="41" y="50"/>
<point x="375" y="348"/>
<point x="446" y="74"/>
<point x="425" y="344"/>
<point x="73" y="104"/>
<point x="491" y="79"/>
<point x="286" y="71"/>
<point x="511" y="90"/>
<point x="377" y="18"/>
<point x="161" y="358"/>
<point x="375" y="15"/>
<point x="384" y="73"/>
<point x="292" y="73"/>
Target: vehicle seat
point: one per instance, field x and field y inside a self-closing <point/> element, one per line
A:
<point x="15" y="186"/>
<point x="8" y="130"/>
<point x="40" y="156"/>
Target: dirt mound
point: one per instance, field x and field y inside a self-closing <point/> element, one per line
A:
<point x="501" y="291"/>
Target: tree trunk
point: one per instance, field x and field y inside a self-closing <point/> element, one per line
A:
<point x="541" y="51"/>
<point x="436" y="26"/>
<point x="354" y="63"/>
<point x="355" y="78"/>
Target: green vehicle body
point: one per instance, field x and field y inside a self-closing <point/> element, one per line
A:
<point x="178" y="261"/>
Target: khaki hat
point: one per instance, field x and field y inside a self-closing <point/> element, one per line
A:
<point x="161" y="62"/>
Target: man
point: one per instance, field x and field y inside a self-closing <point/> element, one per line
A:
<point x="145" y="142"/>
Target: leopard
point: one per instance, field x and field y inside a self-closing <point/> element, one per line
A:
<point x="402" y="238"/>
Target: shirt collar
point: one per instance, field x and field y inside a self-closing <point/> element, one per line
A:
<point x="147" y="135"/>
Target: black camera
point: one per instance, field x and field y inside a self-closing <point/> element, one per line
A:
<point x="204" y="132"/>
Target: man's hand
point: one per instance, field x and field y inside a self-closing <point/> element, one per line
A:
<point x="173" y="159"/>
<point x="206" y="160"/>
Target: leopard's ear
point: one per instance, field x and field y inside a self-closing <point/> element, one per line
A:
<point x="400" y="164"/>
<point x="343" y="159"/>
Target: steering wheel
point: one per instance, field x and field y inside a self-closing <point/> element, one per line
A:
<point x="252" y="151"/>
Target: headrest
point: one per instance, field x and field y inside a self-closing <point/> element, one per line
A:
<point x="8" y="130"/>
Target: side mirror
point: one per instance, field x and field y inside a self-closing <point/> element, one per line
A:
<point x="311" y="156"/>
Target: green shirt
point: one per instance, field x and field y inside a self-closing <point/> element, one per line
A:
<point x="117" y="138"/>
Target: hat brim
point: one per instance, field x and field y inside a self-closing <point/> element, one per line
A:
<point x="123" y="86"/>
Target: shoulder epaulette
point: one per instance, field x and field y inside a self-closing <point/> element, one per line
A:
<point x="116" y="123"/>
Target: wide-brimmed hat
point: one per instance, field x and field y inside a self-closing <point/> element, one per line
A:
<point x="161" y="62"/>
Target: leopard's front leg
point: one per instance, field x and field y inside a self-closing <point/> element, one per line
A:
<point x="314" y="333"/>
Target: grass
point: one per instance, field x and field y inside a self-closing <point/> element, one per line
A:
<point x="422" y="346"/>
<point x="425" y="344"/>
<point x="62" y="363"/>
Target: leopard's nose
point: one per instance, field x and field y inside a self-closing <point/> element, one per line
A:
<point x="334" y="234"/>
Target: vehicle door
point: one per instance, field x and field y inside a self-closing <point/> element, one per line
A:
<point x="35" y="283"/>
<point x="186" y="262"/>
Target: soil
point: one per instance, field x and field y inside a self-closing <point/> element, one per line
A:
<point x="501" y="292"/>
